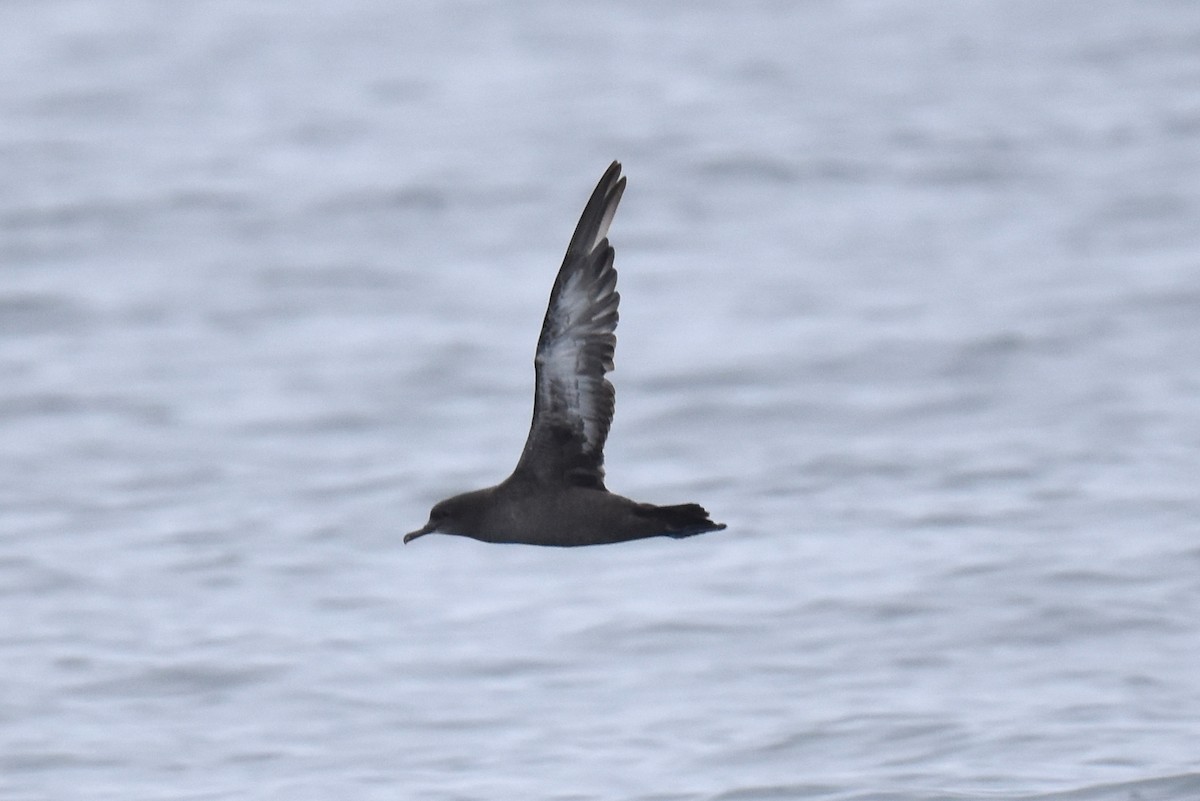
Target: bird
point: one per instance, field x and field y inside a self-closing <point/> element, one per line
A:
<point x="556" y="494"/>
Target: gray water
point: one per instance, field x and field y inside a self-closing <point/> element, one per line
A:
<point x="911" y="300"/>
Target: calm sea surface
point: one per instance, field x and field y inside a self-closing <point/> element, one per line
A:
<point x="911" y="300"/>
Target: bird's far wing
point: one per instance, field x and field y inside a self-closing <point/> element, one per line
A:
<point x="573" y="401"/>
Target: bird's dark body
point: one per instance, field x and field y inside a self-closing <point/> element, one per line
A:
<point x="556" y="495"/>
<point x="512" y="512"/>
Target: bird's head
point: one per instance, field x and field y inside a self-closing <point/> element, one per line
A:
<point x="451" y="516"/>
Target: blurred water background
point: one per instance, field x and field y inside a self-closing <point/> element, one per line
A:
<point x="911" y="300"/>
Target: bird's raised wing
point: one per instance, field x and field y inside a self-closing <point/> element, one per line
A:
<point x="573" y="401"/>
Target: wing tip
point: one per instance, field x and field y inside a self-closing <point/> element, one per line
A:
<point x="599" y="211"/>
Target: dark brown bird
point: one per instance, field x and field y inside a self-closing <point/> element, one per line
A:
<point x="556" y="494"/>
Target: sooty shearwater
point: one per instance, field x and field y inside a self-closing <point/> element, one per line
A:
<point x="556" y="494"/>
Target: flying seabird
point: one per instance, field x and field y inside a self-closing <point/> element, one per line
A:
<point x="556" y="494"/>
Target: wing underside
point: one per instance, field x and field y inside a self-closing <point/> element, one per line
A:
<point x="573" y="401"/>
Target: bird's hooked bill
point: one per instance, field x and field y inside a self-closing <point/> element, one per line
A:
<point x="421" y="532"/>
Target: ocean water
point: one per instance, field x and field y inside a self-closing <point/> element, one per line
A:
<point x="911" y="301"/>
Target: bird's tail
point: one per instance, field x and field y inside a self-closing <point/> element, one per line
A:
<point x="683" y="520"/>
